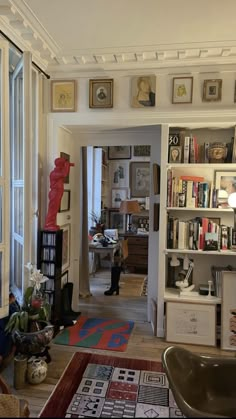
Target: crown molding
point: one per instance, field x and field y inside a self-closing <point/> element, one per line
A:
<point x="22" y="26"/>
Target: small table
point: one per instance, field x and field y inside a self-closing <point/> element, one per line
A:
<point x="101" y="250"/>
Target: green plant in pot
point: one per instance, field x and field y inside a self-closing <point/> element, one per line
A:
<point x="29" y="325"/>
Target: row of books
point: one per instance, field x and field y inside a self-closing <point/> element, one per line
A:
<point x="49" y="239"/>
<point x="48" y="253"/>
<point x="190" y="150"/>
<point x="200" y="233"/>
<point x="48" y="269"/>
<point x="190" y="192"/>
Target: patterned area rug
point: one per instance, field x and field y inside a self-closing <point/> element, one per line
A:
<point x="109" y="392"/>
<point x="109" y="387"/>
<point x="106" y="334"/>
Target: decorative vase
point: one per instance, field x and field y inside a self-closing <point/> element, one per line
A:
<point x="34" y="342"/>
<point x="36" y="370"/>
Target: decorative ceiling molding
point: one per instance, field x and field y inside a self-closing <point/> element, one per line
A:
<point x="22" y="26"/>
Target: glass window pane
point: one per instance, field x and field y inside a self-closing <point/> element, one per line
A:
<point x="0" y="214"/>
<point x="18" y="210"/>
<point x="18" y="262"/>
<point x="18" y="128"/>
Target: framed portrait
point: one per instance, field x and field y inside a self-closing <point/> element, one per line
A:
<point x="228" y="311"/>
<point x="143" y="91"/>
<point x="63" y="95"/>
<point x="101" y="93"/>
<point x="118" y="195"/>
<point x="119" y="174"/>
<point x="212" y="90"/>
<point x="119" y="152"/>
<point x="67" y="157"/>
<point x="191" y="323"/>
<point x="117" y="221"/>
<point x="182" y="90"/>
<point x="156" y="215"/>
<point x="65" y="201"/>
<point x="65" y="247"/>
<point x="175" y="154"/>
<point x="139" y="179"/>
<point x="225" y="181"/>
<point x="142" y="150"/>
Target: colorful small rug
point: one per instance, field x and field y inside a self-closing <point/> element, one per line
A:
<point x="106" y="334"/>
<point x="108" y="387"/>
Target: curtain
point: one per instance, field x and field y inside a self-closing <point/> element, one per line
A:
<point x="84" y="286"/>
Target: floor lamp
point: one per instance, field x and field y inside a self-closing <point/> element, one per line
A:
<point x="128" y="208"/>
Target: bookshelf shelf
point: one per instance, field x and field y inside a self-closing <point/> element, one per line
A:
<point x="174" y="295"/>
<point x="202" y="252"/>
<point x="219" y="210"/>
<point x="209" y="166"/>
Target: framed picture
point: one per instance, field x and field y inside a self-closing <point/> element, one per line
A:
<point x="225" y="181"/>
<point x="235" y="91"/>
<point x="63" y="95"/>
<point x="142" y="150"/>
<point x="64" y="278"/>
<point x="182" y="90"/>
<point x="65" y="247"/>
<point x="191" y="323"/>
<point x="117" y="221"/>
<point x="101" y="93"/>
<point x="228" y="311"/>
<point x="118" y="195"/>
<point x="65" y="201"/>
<point x="212" y="90"/>
<point x="119" y="174"/>
<point x="119" y="152"/>
<point x="156" y="178"/>
<point x="67" y="157"/>
<point x="143" y="91"/>
<point x="139" y="179"/>
<point x="156" y="215"/>
<point x="175" y="154"/>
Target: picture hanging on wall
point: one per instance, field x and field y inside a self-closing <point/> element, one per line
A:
<point x="67" y="157"/>
<point x="65" y="247"/>
<point x="143" y="91"/>
<point x="119" y="152"/>
<point x="119" y="174"/>
<point x="139" y="179"/>
<point x="142" y="150"/>
<point x="101" y="93"/>
<point x="182" y="91"/>
<point x="212" y="90"/>
<point x="118" y="195"/>
<point x="63" y="95"/>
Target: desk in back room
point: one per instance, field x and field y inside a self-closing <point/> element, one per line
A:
<point x="101" y="250"/>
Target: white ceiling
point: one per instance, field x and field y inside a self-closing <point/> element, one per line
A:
<point x="100" y="34"/>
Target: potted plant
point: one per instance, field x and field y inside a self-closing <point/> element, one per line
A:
<point x="29" y="324"/>
<point x="97" y="220"/>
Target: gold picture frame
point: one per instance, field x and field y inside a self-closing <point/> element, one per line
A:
<point x="212" y="90"/>
<point x="101" y="93"/>
<point x="63" y="95"/>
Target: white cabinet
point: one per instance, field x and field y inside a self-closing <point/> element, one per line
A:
<point x="179" y="217"/>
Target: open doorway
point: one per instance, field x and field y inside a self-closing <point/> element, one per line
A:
<point x="120" y="175"/>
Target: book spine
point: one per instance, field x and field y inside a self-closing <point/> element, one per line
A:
<point x="186" y="149"/>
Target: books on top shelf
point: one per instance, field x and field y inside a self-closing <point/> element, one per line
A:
<point x="199" y="233"/>
<point x="192" y="151"/>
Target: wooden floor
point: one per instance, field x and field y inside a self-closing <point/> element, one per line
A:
<point x="142" y="343"/>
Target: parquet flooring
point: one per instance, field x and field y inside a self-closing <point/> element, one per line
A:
<point x="142" y="343"/>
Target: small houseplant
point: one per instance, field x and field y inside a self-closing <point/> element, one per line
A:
<point x="29" y="324"/>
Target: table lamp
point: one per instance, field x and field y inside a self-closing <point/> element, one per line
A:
<point x="232" y="204"/>
<point x="129" y="207"/>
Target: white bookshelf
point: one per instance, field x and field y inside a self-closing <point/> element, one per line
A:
<point x="203" y="260"/>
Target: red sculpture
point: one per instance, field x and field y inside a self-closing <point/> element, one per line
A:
<point x="57" y="175"/>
